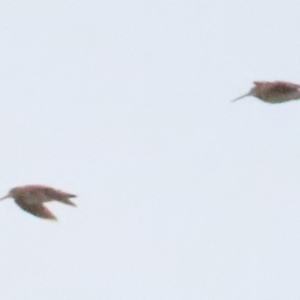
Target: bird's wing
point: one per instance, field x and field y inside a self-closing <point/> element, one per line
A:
<point x="289" y="84"/>
<point x="57" y="194"/>
<point x="281" y="83"/>
<point x="38" y="210"/>
<point x="67" y="201"/>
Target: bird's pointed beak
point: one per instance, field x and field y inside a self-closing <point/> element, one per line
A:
<point x="7" y="196"/>
<point x="246" y="95"/>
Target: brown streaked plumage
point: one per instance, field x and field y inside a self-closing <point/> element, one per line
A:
<point x="274" y="92"/>
<point x="31" y="198"/>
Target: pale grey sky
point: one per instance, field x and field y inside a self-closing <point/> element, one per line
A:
<point x="182" y="195"/>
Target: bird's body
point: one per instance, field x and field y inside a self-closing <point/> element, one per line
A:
<point x="274" y="92"/>
<point x="31" y="198"/>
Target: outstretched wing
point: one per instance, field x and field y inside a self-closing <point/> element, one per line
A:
<point x="38" y="210"/>
<point x="59" y="195"/>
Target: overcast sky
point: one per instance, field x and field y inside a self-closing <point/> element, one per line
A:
<point x="182" y="195"/>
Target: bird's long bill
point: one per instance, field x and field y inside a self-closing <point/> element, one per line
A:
<point x="246" y="95"/>
<point x="7" y="196"/>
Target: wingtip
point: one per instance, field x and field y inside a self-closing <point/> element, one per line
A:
<point x="48" y="218"/>
<point x="69" y="202"/>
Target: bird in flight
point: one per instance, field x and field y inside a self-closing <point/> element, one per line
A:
<point x="31" y="198"/>
<point x="274" y="92"/>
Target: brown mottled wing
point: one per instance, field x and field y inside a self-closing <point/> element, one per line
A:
<point x="279" y="84"/>
<point x="276" y="89"/>
<point x="57" y="194"/>
<point x="288" y="84"/>
<point x="38" y="210"/>
<point x="281" y="87"/>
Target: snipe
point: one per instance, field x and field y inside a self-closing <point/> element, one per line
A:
<point x="31" y="198"/>
<point x="274" y="92"/>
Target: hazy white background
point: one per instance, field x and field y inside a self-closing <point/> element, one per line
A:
<point x="181" y="194"/>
